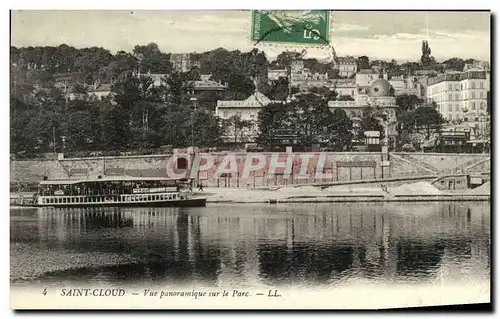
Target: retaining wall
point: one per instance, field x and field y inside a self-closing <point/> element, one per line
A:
<point x="336" y="165"/>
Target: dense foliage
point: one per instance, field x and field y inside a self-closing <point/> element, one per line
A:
<point x="141" y="116"/>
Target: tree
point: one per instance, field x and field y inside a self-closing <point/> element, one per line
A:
<point x="426" y="53"/>
<point x="363" y="62"/>
<point x="371" y="120"/>
<point x="343" y="129"/>
<point x="304" y="121"/>
<point x="327" y="93"/>
<point x="428" y="119"/>
<point x="151" y="59"/>
<point x="238" y="127"/>
<point x="408" y="102"/>
<point x="277" y="90"/>
<point x="273" y="118"/>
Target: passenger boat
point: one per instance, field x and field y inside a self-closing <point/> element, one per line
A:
<point x="115" y="191"/>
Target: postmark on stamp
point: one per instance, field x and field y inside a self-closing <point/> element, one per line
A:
<point x="311" y="27"/>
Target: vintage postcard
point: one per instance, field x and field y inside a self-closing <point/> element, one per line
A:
<point x="266" y="159"/>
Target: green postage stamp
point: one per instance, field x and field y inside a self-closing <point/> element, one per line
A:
<point x="288" y="26"/>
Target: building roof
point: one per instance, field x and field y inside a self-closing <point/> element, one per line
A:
<point x="367" y="71"/>
<point x="208" y="85"/>
<point x="255" y="100"/>
<point x="380" y="88"/>
<point x="104" y="179"/>
<point x="259" y="98"/>
<point x="101" y="88"/>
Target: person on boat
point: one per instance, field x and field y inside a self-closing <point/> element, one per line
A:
<point x="191" y="185"/>
<point x="200" y="187"/>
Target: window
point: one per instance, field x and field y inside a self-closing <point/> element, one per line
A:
<point x="224" y="114"/>
<point x="481" y="95"/>
<point x="450" y="108"/>
<point x="182" y="163"/>
<point x="473" y="94"/>
<point x="450" y="87"/>
<point x="449" y="97"/>
<point x="238" y="114"/>
<point x="473" y="85"/>
<point x="483" y="105"/>
<point x="457" y="107"/>
<point x="473" y="105"/>
<point x="457" y="97"/>
<point x="481" y="85"/>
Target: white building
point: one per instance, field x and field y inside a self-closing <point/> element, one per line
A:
<point x="344" y="87"/>
<point x="247" y="109"/>
<point x="458" y="94"/>
<point x="304" y="77"/>
<point x="365" y="77"/>
<point x="347" y="66"/>
<point x="273" y="75"/>
<point x="407" y="85"/>
<point x="183" y="62"/>
<point x="477" y="65"/>
<point x="379" y="94"/>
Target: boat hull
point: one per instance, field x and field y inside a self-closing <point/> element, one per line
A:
<point x="192" y="202"/>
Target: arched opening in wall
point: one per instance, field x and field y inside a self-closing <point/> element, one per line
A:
<point x="182" y="163"/>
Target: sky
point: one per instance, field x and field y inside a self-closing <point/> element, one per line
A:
<point x="378" y="35"/>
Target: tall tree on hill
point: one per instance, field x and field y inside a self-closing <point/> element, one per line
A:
<point x="425" y="59"/>
<point x="151" y="59"/>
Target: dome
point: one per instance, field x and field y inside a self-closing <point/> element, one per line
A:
<point x="380" y="88"/>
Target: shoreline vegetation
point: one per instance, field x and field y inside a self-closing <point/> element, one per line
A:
<point x="420" y="191"/>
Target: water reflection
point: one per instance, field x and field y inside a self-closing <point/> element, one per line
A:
<point x="296" y="244"/>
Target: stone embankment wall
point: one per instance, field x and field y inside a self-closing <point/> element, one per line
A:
<point x="340" y="166"/>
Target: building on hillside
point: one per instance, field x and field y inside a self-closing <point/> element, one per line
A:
<point x="208" y="85"/>
<point x="183" y="62"/>
<point x="428" y="73"/>
<point x="304" y="78"/>
<point x="158" y="78"/>
<point x="248" y="110"/>
<point x="407" y="85"/>
<point x="365" y="77"/>
<point x="477" y="65"/>
<point x="347" y="66"/>
<point x="379" y="94"/>
<point x="460" y="93"/>
<point x="273" y="75"/>
<point x="296" y="66"/>
<point x="100" y="90"/>
<point x="205" y="77"/>
<point x="344" y="87"/>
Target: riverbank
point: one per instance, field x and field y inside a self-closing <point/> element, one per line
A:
<point x="419" y="191"/>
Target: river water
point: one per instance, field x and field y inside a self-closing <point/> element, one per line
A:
<point x="305" y="245"/>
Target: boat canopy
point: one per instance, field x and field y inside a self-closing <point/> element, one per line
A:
<point x="108" y="179"/>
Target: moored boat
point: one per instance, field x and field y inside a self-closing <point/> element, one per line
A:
<point x="115" y="191"/>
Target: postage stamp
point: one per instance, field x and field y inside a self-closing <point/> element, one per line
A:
<point x="291" y="27"/>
